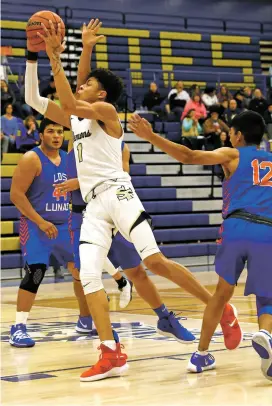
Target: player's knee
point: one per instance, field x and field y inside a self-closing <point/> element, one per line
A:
<point x="157" y="263"/>
<point x="137" y="274"/>
<point x="264" y="305"/>
<point x="34" y="275"/>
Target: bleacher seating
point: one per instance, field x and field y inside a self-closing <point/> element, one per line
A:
<point x="186" y="222"/>
<point x="141" y="49"/>
<point x="202" y="57"/>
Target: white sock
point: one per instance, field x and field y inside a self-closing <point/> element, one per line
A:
<point x="203" y="353"/>
<point x="110" y="344"/>
<point x="21" y="317"/>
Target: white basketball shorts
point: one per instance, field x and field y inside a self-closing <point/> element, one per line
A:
<point x="118" y="207"/>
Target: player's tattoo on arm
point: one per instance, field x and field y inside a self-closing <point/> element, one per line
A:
<point x="56" y="64"/>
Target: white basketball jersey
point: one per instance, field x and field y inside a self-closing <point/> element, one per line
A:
<point x="98" y="155"/>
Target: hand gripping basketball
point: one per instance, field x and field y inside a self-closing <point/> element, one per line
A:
<point x="52" y="39"/>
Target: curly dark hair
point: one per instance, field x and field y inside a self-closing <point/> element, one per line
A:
<point x="110" y="82"/>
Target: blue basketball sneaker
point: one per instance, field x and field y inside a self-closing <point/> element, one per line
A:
<point x="84" y="325"/>
<point x="170" y="327"/>
<point x="19" y="336"/>
<point x="262" y="344"/>
<point x="200" y="363"/>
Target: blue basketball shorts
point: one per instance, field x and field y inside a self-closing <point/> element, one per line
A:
<point x="244" y="243"/>
<point x="37" y="247"/>
<point x="122" y="253"/>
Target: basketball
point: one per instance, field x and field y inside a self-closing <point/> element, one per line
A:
<point x="34" y="26"/>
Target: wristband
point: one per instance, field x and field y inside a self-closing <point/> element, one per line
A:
<point x="32" y="56"/>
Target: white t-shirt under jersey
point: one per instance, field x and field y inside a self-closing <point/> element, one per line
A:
<point x="98" y="155"/>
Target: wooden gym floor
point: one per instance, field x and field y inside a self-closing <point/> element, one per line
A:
<point x="48" y="374"/>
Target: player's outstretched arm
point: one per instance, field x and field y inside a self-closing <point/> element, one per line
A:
<point x="32" y="94"/>
<point x="89" y="40"/>
<point x="143" y="129"/>
<point x="27" y="169"/>
<point x="96" y="111"/>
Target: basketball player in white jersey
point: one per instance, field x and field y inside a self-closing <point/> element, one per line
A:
<point x="112" y="203"/>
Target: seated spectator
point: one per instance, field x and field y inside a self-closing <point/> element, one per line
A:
<point x="195" y="89"/>
<point x="4" y="144"/>
<point x="191" y="129"/>
<point x="9" y="124"/>
<point x="177" y="99"/>
<point x="258" y="103"/>
<point x="153" y="99"/>
<point x="196" y="104"/>
<point x="50" y="89"/>
<point x="247" y="92"/>
<point x="224" y="94"/>
<point x="209" y="97"/>
<point x="268" y="119"/>
<point x="29" y="135"/>
<point x="8" y="96"/>
<point x="240" y="99"/>
<point x="225" y="140"/>
<point x="190" y="125"/>
<point x="212" y="128"/>
<point x="231" y="112"/>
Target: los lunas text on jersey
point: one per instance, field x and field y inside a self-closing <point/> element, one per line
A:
<point x="57" y="207"/>
<point x="84" y="134"/>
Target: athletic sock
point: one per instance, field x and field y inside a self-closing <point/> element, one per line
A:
<point x="121" y="282"/>
<point x="21" y="317"/>
<point x="203" y="353"/>
<point x="110" y="344"/>
<point x="162" y="311"/>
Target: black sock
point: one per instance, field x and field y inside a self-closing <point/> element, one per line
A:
<point x="121" y="282"/>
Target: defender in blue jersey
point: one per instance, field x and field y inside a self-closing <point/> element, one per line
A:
<point x="44" y="219"/>
<point x="246" y="233"/>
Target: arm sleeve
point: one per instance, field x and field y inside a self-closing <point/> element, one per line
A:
<point x="32" y="94"/>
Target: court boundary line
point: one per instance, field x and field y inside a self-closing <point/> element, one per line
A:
<point x="130" y="360"/>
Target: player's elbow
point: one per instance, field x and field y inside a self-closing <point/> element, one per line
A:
<point x="69" y="107"/>
<point x="14" y="195"/>
<point x="188" y="158"/>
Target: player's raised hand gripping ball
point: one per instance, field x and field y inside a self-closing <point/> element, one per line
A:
<point x="34" y="25"/>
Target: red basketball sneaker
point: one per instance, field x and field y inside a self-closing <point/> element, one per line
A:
<point x="110" y="363"/>
<point x="233" y="334"/>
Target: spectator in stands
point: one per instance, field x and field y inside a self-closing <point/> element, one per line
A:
<point x="224" y="94"/>
<point x="268" y="119"/>
<point x="196" y="104"/>
<point x="29" y="135"/>
<point x="191" y="129"/>
<point x="195" y="89"/>
<point x="209" y="97"/>
<point x="225" y="140"/>
<point x="9" y="124"/>
<point x="258" y="103"/>
<point x="8" y="96"/>
<point x="247" y="92"/>
<point x="4" y="144"/>
<point x="177" y="98"/>
<point x="231" y="112"/>
<point x="213" y="127"/>
<point x="50" y="89"/>
<point x="153" y="99"/>
<point x="240" y="99"/>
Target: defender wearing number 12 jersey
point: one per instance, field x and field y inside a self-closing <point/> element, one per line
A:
<point x="246" y="233"/>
